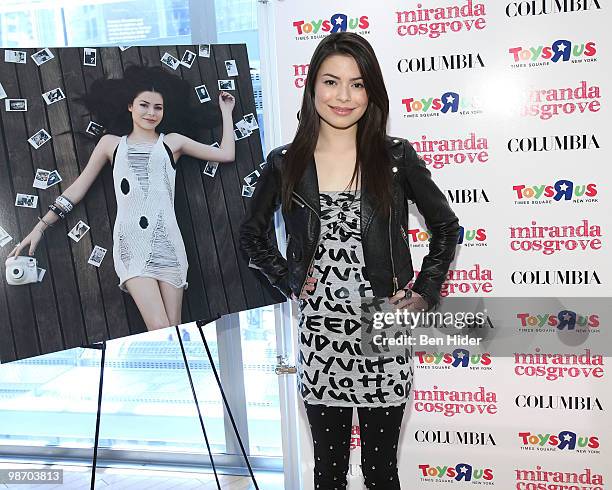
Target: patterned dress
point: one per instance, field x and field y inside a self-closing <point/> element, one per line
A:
<point x="335" y="368"/>
<point x="147" y="241"/>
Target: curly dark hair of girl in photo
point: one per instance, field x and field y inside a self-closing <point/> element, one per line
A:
<point x="108" y="98"/>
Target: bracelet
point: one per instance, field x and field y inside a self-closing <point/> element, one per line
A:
<point x="59" y="206"/>
<point x="65" y="203"/>
<point x="56" y="210"/>
<point x="42" y="220"/>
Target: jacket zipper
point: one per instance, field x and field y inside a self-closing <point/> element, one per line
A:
<point x="395" y="285"/>
<point x="299" y="202"/>
<point x="404" y="236"/>
<point x="303" y="203"/>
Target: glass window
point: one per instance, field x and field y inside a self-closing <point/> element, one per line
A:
<point x="34" y="23"/>
<point x="147" y="400"/>
<point x="258" y="334"/>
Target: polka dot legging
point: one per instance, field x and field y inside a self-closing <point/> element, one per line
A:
<point x="331" y="435"/>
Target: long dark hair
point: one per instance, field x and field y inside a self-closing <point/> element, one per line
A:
<point x="371" y="127"/>
<point x="108" y="98"/>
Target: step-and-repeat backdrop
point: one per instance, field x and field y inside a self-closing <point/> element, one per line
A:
<point x="507" y="104"/>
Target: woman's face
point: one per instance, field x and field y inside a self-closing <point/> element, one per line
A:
<point x="340" y="96"/>
<point x="147" y="110"/>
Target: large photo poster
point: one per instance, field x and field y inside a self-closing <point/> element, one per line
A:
<point x="147" y="236"/>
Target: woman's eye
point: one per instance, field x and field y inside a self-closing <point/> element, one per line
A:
<point x="359" y="85"/>
<point x="329" y="82"/>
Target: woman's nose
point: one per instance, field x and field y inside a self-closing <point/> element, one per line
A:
<point x="343" y="94"/>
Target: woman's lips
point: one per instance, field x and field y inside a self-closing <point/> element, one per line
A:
<point x="342" y="111"/>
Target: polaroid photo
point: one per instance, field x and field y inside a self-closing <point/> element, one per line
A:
<point x="231" y="68"/>
<point x="204" y="50"/>
<point x="16" y="105"/>
<point x="123" y="48"/>
<point x="42" y="56"/>
<point x="90" y="56"/>
<point x="12" y="56"/>
<point x="247" y="190"/>
<point x="251" y="179"/>
<point x="242" y="127"/>
<point x="53" y="96"/>
<point x="210" y="168"/>
<point x="40" y="273"/>
<point x="39" y="138"/>
<point x="202" y="93"/>
<point x="54" y="178"/>
<point x="4" y="237"/>
<point x="170" y="61"/>
<point x="188" y="58"/>
<point x="40" y="179"/>
<point x="97" y="256"/>
<point x="2" y="92"/>
<point x="95" y="129"/>
<point x="226" y="84"/>
<point x="251" y="121"/>
<point x="238" y="135"/>
<point x="78" y="231"/>
<point x="262" y="164"/>
<point x="26" y="201"/>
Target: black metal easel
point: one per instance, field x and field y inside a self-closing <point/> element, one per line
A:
<point x="199" y="324"/>
<point x="102" y="346"/>
<point x="98" y="346"/>
<point x="195" y="397"/>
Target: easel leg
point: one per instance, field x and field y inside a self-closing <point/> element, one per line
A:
<point x="227" y="407"/>
<point x="101" y="346"/>
<point x="195" y="397"/>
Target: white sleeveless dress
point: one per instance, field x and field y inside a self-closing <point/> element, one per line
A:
<point x="147" y="241"/>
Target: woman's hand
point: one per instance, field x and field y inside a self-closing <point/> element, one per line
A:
<point x="309" y="287"/>
<point x="408" y="299"/>
<point x="226" y="101"/>
<point x="32" y="240"/>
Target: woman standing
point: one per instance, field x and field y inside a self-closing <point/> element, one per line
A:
<point x="344" y="186"/>
<point x="148" y="251"/>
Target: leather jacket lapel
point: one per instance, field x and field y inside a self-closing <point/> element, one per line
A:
<point x="308" y="187"/>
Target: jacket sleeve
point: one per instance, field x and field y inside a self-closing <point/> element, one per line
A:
<point x="257" y="228"/>
<point x="440" y="221"/>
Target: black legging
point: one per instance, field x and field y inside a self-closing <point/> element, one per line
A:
<point x="331" y="434"/>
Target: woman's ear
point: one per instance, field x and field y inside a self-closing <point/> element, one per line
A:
<point x="130" y="107"/>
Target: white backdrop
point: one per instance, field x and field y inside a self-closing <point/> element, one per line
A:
<point x="530" y="125"/>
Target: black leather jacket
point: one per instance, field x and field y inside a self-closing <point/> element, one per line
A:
<point x="384" y="237"/>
